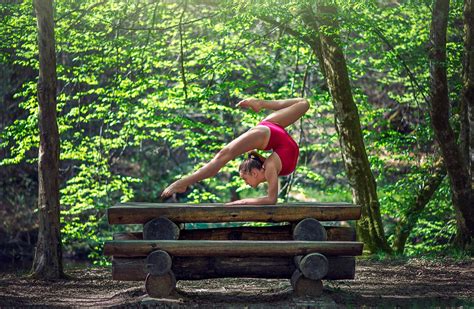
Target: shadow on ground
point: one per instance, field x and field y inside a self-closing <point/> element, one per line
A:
<point x="409" y="284"/>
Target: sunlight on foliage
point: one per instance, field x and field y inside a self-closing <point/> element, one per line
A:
<point x="141" y="103"/>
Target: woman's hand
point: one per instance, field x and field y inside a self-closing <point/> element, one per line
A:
<point x="238" y="202"/>
<point x="254" y="104"/>
<point x="176" y="187"/>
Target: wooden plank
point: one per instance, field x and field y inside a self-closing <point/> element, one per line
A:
<point x="197" y="268"/>
<point x="282" y="232"/>
<point x="140" y="213"/>
<point x="130" y="248"/>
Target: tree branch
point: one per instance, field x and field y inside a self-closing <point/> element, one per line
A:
<point x="170" y="27"/>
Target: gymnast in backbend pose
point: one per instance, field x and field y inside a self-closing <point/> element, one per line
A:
<point x="268" y="134"/>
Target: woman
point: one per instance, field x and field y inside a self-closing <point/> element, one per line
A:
<point x="268" y="134"/>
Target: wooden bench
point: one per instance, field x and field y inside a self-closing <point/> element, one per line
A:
<point x="298" y="248"/>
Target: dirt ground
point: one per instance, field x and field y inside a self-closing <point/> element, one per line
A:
<point x="414" y="283"/>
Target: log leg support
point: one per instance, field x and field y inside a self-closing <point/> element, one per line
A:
<point x="314" y="266"/>
<point x="161" y="228"/>
<point x="310" y="229"/>
<point x="158" y="263"/>
<point x="160" y="286"/>
<point x="303" y="286"/>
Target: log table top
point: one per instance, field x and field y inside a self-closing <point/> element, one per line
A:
<point x="140" y="213"/>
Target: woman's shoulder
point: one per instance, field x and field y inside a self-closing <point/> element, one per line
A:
<point x="273" y="162"/>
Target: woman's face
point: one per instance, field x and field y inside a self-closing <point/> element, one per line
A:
<point x="252" y="178"/>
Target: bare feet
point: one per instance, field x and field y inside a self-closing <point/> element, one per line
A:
<point x="176" y="187"/>
<point x="254" y="104"/>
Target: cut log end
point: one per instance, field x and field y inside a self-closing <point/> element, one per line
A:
<point x="304" y="287"/>
<point x="314" y="266"/>
<point x="158" y="263"/>
<point x="160" y="286"/>
<point x="161" y="229"/>
<point x="310" y="229"/>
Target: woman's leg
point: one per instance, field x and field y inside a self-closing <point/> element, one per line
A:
<point x="286" y="112"/>
<point x="255" y="138"/>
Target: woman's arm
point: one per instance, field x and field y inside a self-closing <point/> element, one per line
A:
<point x="252" y="139"/>
<point x="272" y="196"/>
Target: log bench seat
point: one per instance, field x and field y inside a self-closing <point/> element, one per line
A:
<point x="131" y="248"/>
<point x="298" y="247"/>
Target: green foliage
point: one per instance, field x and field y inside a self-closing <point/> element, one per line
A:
<point x="432" y="235"/>
<point x="398" y="135"/>
<point x="131" y="122"/>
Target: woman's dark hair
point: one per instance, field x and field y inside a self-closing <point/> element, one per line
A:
<point x="254" y="160"/>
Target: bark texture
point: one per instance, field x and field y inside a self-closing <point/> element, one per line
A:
<point x="410" y="218"/>
<point x="47" y="262"/>
<point x="467" y="99"/>
<point x="456" y="165"/>
<point x="361" y="179"/>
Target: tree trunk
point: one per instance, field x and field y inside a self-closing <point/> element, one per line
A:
<point x="456" y="167"/>
<point x="361" y="179"/>
<point x="467" y="110"/>
<point x="409" y="219"/>
<point x="467" y="99"/>
<point x="47" y="263"/>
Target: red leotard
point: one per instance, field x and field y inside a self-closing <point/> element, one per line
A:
<point x="282" y="143"/>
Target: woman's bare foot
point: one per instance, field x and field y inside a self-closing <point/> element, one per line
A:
<point x="254" y="104"/>
<point x="176" y="187"/>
